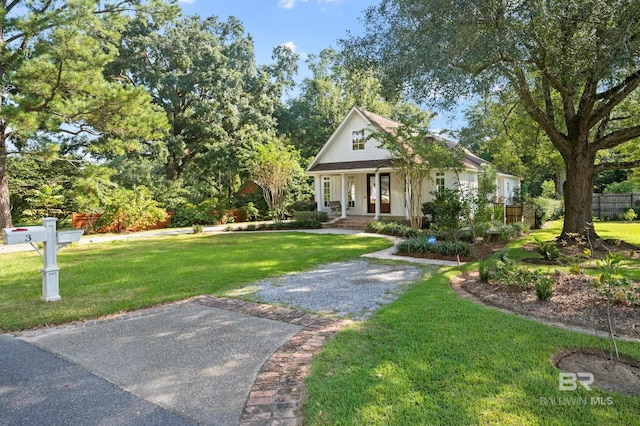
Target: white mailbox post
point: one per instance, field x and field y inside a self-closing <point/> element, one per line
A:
<point x="53" y="241"/>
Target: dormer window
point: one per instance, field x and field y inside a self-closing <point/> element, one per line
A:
<point x="357" y="140"/>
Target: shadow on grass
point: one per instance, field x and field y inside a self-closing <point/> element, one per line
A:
<point x="433" y="358"/>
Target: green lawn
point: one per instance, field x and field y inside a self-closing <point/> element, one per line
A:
<point x="434" y="358"/>
<point x="107" y="278"/>
<point x="627" y="231"/>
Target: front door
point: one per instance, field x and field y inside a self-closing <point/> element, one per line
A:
<point x="385" y="193"/>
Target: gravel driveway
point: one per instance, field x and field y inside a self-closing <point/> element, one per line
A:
<point x="346" y="289"/>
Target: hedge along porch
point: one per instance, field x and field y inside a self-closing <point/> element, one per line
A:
<point x="353" y="170"/>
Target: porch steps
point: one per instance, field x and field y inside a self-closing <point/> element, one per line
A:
<point x="359" y="223"/>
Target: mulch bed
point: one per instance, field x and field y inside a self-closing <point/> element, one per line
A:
<point x="574" y="302"/>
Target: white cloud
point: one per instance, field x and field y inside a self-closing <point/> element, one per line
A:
<point x="289" y="4"/>
<point x="295" y="49"/>
<point x="187" y="1"/>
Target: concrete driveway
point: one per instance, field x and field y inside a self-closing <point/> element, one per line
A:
<point x="184" y="363"/>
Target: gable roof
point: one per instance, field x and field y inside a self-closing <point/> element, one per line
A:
<point x="470" y="161"/>
<point x="382" y="123"/>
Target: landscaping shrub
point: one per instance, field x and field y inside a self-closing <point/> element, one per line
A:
<point x="519" y="228"/>
<point x="484" y="268"/>
<point x="522" y="278"/>
<point x="544" y="286"/>
<point x="610" y="285"/>
<point x="250" y="211"/>
<point x="392" y="228"/>
<point x="445" y="210"/>
<point x="419" y="244"/>
<point x="453" y="248"/>
<point x="503" y="255"/>
<point x="414" y="245"/>
<point x="547" y="209"/>
<point x="481" y="229"/>
<point x="303" y="206"/>
<point x="128" y="209"/>
<point x="506" y="232"/>
<point x="278" y="226"/>
<point x="310" y="216"/>
<point x="509" y="231"/>
<point x="195" y="214"/>
<point x="514" y="276"/>
<point x="547" y="249"/>
<point x="630" y="215"/>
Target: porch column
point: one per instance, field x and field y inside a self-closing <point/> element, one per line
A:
<point x="317" y="180"/>
<point x="343" y="195"/>
<point x="407" y="197"/>
<point x="378" y="196"/>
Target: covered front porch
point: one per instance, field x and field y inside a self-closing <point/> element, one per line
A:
<point x="371" y="192"/>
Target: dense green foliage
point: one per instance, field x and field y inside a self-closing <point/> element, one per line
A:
<point x="420" y="244"/>
<point x="54" y="54"/>
<point x="128" y="209"/>
<point x="273" y="166"/>
<point x="392" y="228"/>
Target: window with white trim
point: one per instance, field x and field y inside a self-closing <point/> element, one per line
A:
<point x="439" y="181"/>
<point x="326" y="191"/>
<point x="357" y="140"/>
<point x="351" y="191"/>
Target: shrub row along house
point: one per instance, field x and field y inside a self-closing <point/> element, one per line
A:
<point x="351" y="170"/>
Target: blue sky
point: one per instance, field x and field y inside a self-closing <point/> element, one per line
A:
<point x="307" y="26"/>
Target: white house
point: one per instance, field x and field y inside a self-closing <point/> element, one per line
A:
<point x="350" y="168"/>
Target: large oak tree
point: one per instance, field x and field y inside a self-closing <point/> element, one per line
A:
<point x="203" y="74"/>
<point x="52" y="57"/>
<point x="574" y="65"/>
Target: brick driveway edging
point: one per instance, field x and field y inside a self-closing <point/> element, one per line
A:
<point x="278" y="392"/>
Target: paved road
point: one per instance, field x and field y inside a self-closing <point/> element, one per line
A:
<point x="39" y="388"/>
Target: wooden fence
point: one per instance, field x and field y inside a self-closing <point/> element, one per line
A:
<point x="613" y="206"/>
<point x="87" y="221"/>
<point x="513" y="214"/>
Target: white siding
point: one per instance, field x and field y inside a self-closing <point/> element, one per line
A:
<point x="511" y="183"/>
<point x="341" y="148"/>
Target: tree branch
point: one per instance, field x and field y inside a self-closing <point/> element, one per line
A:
<point x="618" y="165"/>
<point x="557" y="138"/>
<point x="615" y="95"/>
<point x="615" y="138"/>
<point x="587" y="102"/>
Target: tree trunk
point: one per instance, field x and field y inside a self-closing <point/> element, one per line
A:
<point x="560" y="178"/>
<point x="171" y="171"/>
<point x="5" y="203"/>
<point x="578" y="195"/>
